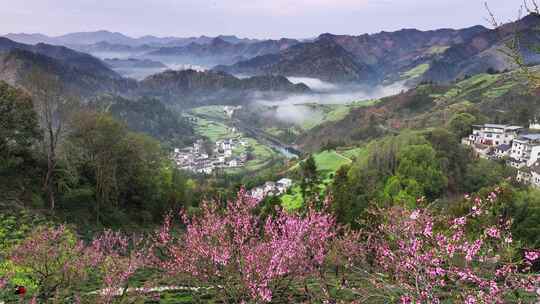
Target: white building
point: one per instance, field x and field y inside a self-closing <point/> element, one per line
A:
<point x="493" y="135"/>
<point x="502" y="151"/>
<point x="233" y="163"/>
<point x="530" y="175"/>
<point x="535" y="125"/>
<point x="525" y="151"/>
<point x="283" y="185"/>
<point x="535" y="176"/>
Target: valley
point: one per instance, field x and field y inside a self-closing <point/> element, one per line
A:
<point x="372" y="166"/>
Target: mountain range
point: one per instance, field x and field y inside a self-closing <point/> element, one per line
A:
<point x="440" y="55"/>
<point x="90" y="38"/>
<point x="345" y="58"/>
<point x="220" y="51"/>
<point x="409" y="55"/>
<point x="88" y="77"/>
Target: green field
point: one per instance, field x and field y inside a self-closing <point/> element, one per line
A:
<point x="477" y="83"/>
<point x="323" y="113"/>
<point x="437" y="49"/>
<point x="416" y="71"/>
<point x="499" y="91"/>
<point x="330" y="161"/>
<point x="354" y="152"/>
<point x="216" y="112"/>
<point x="263" y="155"/>
<point x="212" y="130"/>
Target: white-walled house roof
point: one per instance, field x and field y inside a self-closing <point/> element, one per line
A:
<point x="499" y="126"/>
<point x="531" y="137"/>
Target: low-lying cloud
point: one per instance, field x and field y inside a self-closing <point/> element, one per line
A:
<point x="298" y="109"/>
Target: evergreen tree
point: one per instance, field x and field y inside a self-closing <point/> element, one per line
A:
<point x="309" y="179"/>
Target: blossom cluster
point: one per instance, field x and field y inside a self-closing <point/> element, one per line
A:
<point x="245" y="255"/>
<point x="58" y="263"/>
<point x="433" y="258"/>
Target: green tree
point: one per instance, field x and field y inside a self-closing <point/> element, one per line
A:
<point x="461" y="124"/>
<point x="525" y="210"/>
<point x="309" y="179"/>
<point x="53" y="108"/>
<point x="420" y="172"/>
<point x="123" y="167"/>
<point x="485" y="173"/>
<point x="346" y="206"/>
<point x="453" y="157"/>
<point x="19" y="129"/>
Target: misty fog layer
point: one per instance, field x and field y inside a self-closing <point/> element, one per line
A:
<point x="315" y="84"/>
<point x="299" y="109"/>
<point x="329" y="93"/>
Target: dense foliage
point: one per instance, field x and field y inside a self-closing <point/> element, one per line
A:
<point x="149" y="116"/>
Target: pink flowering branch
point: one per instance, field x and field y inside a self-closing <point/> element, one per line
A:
<point x="243" y="256"/>
<point x="425" y="258"/>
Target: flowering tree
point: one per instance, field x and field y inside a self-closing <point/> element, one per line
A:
<point x="116" y="258"/>
<point x="57" y="265"/>
<point x="418" y="257"/>
<point x="54" y="260"/>
<point x="241" y="255"/>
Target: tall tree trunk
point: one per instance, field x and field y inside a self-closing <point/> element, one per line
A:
<point x="51" y="165"/>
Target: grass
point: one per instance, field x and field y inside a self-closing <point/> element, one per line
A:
<point x="292" y="201"/>
<point x="474" y="84"/>
<point x="211" y="129"/>
<point x="417" y="71"/>
<point x="354" y="152"/>
<point x="499" y="91"/>
<point x="211" y="111"/>
<point x="323" y="113"/>
<point x="262" y="153"/>
<point x="338" y="113"/>
<point x="330" y="161"/>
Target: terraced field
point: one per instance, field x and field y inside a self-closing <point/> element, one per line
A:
<point x="416" y="71"/>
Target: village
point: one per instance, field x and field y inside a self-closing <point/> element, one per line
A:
<point x="200" y="159"/>
<point x="519" y="147"/>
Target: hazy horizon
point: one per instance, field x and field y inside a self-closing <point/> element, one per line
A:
<point x="246" y="19"/>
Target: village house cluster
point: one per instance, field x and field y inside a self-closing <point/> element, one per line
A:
<point x="196" y="159"/>
<point x="518" y="146"/>
<point x="272" y="188"/>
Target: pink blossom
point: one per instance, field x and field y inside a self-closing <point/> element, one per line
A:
<point x="532" y="255"/>
<point x="460" y="221"/>
<point x="406" y="300"/>
<point x="236" y="246"/>
<point x="493" y="232"/>
<point x="470" y="300"/>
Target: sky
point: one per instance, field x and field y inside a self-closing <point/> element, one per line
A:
<point x="246" y="18"/>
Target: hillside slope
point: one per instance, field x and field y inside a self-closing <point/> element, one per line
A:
<point x="485" y="51"/>
<point x="323" y="59"/>
<point x="193" y="88"/>
<point x="17" y="65"/>
<point x="66" y="56"/>
<point x="496" y="98"/>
